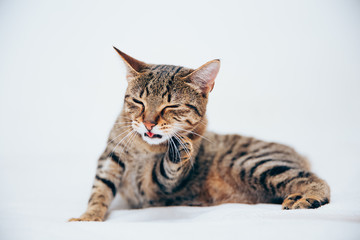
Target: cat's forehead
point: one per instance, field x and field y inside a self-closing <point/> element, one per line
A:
<point x="156" y="80"/>
<point x="164" y="72"/>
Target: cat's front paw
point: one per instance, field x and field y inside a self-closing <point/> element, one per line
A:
<point x="299" y="201"/>
<point x="87" y="217"/>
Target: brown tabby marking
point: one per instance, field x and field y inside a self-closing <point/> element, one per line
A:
<point x="160" y="154"/>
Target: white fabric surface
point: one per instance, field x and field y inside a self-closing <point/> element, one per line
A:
<point x="50" y="192"/>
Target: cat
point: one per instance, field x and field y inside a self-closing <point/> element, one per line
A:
<point x="160" y="154"/>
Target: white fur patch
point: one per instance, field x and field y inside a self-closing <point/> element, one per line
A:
<point x="141" y="129"/>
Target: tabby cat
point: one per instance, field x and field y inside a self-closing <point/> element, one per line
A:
<point x="160" y="154"/>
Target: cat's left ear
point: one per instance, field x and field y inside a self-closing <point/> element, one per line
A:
<point x="133" y="65"/>
<point x="204" y="77"/>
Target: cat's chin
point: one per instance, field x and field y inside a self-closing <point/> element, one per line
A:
<point x="155" y="145"/>
<point x="154" y="141"/>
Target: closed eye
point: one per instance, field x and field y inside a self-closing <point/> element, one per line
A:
<point x="138" y="101"/>
<point x="172" y="106"/>
<point x="167" y="107"/>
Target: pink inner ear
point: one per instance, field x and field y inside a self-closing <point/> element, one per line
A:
<point x="204" y="77"/>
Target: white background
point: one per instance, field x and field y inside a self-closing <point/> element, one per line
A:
<point x="290" y="73"/>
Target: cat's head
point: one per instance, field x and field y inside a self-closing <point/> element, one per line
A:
<point x="165" y="101"/>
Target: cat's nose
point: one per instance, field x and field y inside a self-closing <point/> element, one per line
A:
<point x="149" y="125"/>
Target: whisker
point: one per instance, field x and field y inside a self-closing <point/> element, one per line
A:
<point x="132" y="138"/>
<point x="192" y="133"/>
<point x="129" y="139"/>
<point x="186" y="149"/>
<point x="182" y="144"/>
<point x="119" y="136"/>
<point x="175" y="149"/>
<point x="120" y="142"/>
<point x="168" y="145"/>
<point x="202" y="121"/>
<point x="127" y="126"/>
<point x="127" y="118"/>
<point x="123" y="122"/>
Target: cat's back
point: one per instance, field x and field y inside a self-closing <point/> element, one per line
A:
<point x="235" y="148"/>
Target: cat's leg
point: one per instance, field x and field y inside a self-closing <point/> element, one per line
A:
<point x="302" y="190"/>
<point x="176" y="164"/>
<point x="107" y="179"/>
<point x="275" y="173"/>
<point x="284" y="179"/>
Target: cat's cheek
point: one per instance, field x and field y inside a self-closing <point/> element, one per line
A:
<point x="167" y="121"/>
<point x="133" y="112"/>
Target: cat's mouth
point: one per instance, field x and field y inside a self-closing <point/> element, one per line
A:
<point x="152" y="135"/>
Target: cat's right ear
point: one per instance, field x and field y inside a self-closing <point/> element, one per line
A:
<point x="203" y="78"/>
<point x="133" y="66"/>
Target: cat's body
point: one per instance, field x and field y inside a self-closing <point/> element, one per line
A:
<point x="215" y="176"/>
<point x="160" y="154"/>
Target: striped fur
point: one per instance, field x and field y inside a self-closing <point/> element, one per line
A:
<point x="177" y="162"/>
